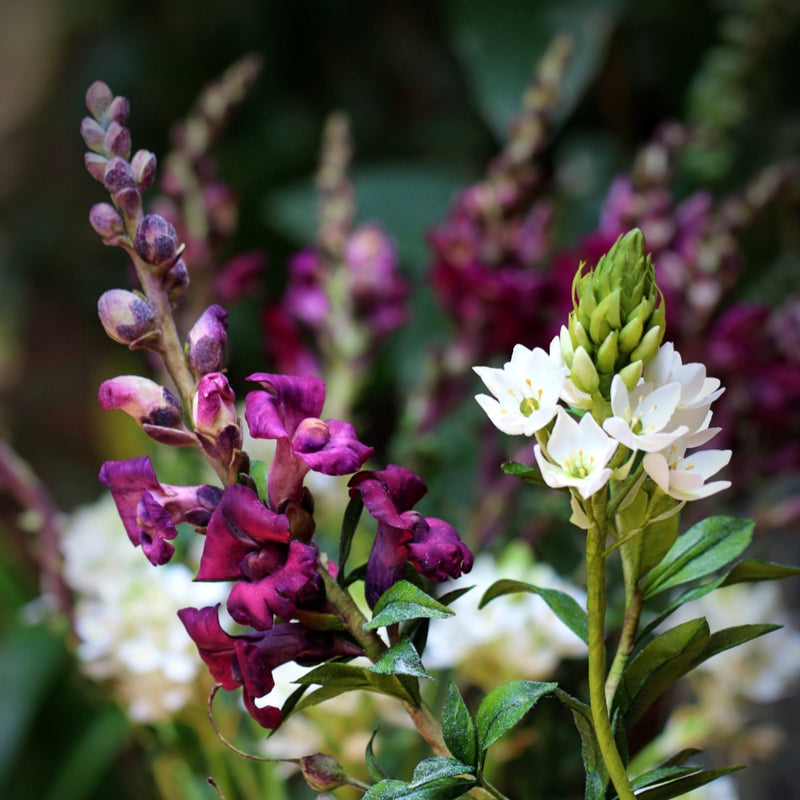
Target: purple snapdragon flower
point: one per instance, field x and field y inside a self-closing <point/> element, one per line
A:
<point x="248" y="660"/>
<point x="288" y="410"/>
<point x="404" y="535"/>
<point x="150" y="510"/>
<point x="249" y="543"/>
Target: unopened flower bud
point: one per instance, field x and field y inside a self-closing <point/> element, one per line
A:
<point x="98" y="99"/>
<point x="322" y="772"/>
<point x="206" y="342"/>
<point x="156" y="241"/>
<point x="126" y="317"/>
<point x="213" y="407"/>
<point x="96" y="165"/>
<point x="93" y="134"/>
<point x="117" y="141"/>
<point x="118" y="110"/>
<point x="143" y="165"/>
<point x="606" y="356"/>
<point x="106" y="220"/>
<point x="630" y="375"/>
<point x="118" y="175"/>
<point x="129" y="201"/>
<point x="584" y="373"/>
<point x="176" y="281"/>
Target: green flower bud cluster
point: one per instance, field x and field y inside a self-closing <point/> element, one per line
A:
<point x="617" y="323"/>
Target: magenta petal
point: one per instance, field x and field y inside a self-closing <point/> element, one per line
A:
<point x="387" y="493"/>
<point x="216" y="647"/>
<point x="263" y="416"/>
<point x="340" y="454"/>
<point x="296" y="398"/>
<point x="437" y="551"/>
<point x="156" y="528"/>
<point x="126" y="480"/>
<point x="387" y="561"/>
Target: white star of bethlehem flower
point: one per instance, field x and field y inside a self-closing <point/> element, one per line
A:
<point x="698" y="392"/>
<point x="578" y="454"/>
<point x="684" y="477"/>
<point x="526" y="391"/>
<point x="642" y="417"/>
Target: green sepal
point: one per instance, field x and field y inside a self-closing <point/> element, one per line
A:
<point x="504" y="707"/>
<point x="458" y="728"/>
<point x="259" y="474"/>
<point x="566" y="608"/>
<point x="403" y="601"/>
<point x="401" y="659"/>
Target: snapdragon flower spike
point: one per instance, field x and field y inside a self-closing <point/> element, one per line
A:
<point x="288" y="410"/>
<point x="404" y="536"/>
<point x="206" y="342"/>
<point x="154" y="407"/>
<point x="150" y="510"/>
<point x="642" y="418"/>
<point x="214" y="417"/>
<point x="684" y="476"/>
<point x="250" y="544"/>
<point x="526" y="391"/>
<point x="248" y="660"/>
<point x="577" y="455"/>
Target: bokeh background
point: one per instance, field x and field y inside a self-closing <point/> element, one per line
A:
<point x="430" y="88"/>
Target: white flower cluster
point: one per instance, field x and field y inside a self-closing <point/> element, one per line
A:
<point x="667" y="413"/>
<point x="126" y="614"/>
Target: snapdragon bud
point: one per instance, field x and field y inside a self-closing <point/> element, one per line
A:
<point x="118" y="175"/>
<point x="176" y="281"/>
<point x="96" y="165"/>
<point x="106" y="220"/>
<point x="156" y="241"/>
<point x="127" y="318"/>
<point x="206" y="342"/>
<point x="93" y="134"/>
<point x="143" y="166"/>
<point x="117" y="141"/>
<point x="322" y="772"/>
<point x="618" y="315"/>
<point x="98" y="99"/>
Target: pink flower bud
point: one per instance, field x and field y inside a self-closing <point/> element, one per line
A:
<point x="206" y="341"/>
<point x="143" y="165"/>
<point x="117" y="141"/>
<point x="105" y="219"/>
<point x="98" y="99"/>
<point x="118" y="175"/>
<point x="96" y="165"/>
<point x="156" y="241"/>
<point x="176" y="281"/>
<point x="93" y="134"/>
<point x="323" y="772"/>
<point x="118" y="110"/>
<point x="126" y="317"/>
<point x="129" y="201"/>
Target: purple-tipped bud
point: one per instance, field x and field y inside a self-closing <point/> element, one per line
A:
<point x="143" y="165"/>
<point x="98" y="99"/>
<point x="118" y="175"/>
<point x="206" y="342"/>
<point x="93" y="134"/>
<point x="126" y="317"/>
<point x="156" y="241"/>
<point x="117" y="141"/>
<point x="322" y="772"/>
<point x="176" y="281"/>
<point x="119" y="110"/>
<point x="105" y="219"/>
<point x="129" y="201"/>
<point x="96" y="165"/>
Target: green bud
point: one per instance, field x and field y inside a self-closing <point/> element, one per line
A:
<point x="630" y="375"/>
<point x="606" y="356"/>
<point x="647" y="348"/>
<point x="567" y="351"/>
<point x="631" y="333"/>
<point x="323" y="772"/>
<point x="584" y="373"/>
<point x="579" y="336"/>
<point x="605" y="317"/>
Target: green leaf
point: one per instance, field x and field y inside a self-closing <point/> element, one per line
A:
<point x="681" y="785"/>
<point x="526" y="472"/>
<point x="504" y="707"/>
<point x="376" y="771"/>
<point x="661" y="775"/>
<point x="401" y="659"/>
<point x="259" y="472"/>
<point x="404" y="601"/>
<point x="336" y="678"/>
<point x="566" y="608"/>
<point x="352" y="514"/>
<point x="431" y="769"/>
<point x="458" y="728"/>
<point x="688" y="596"/>
<point x="593" y="764"/>
<point x="658" y="665"/>
<point x="725" y="639"/>
<point x="442" y="789"/>
<point x="704" y="548"/>
<point x="754" y="570"/>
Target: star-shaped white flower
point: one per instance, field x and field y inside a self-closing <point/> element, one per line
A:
<point x="578" y="455"/>
<point x="684" y="477"/>
<point x="642" y="417"/>
<point x="526" y="391"/>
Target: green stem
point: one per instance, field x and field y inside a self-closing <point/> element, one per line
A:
<point x="596" y="610"/>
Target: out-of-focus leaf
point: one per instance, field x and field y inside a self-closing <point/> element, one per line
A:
<point x="680" y="786"/>
<point x="566" y="608"/>
<point x="754" y="570"/>
<point x="30" y="660"/>
<point x="527" y="473"/>
<point x="376" y="771"/>
<point x="504" y="707"/>
<point x="704" y="548"/>
<point x="499" y="45"/>
<point x="401" y="659"/>
<point x="403" y="601"/>
<point x="458" y="728"/>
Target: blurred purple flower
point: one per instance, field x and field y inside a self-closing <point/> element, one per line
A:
<point x="405" y="536"/>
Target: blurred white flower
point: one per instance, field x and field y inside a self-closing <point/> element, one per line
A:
<point x="126" y="614"/>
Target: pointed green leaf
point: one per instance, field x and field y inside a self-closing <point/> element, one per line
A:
<point x="680" y="786"/>
<point x="401" y="659"/>
<point x="376" y="771"/>
<point x="658" y="665"/>
<point x="754" y="570"/>
<point x="566" y="608"/>
<point x="404" y="601"/>
<point x="725" y="639"/>
<point x="458" y="728"/>
<point x="504" y="707"/>
<point x="336" y="678"/>
<point x="352" y="514"/>
<point x="444" y="789"/>
<point x="593" y="764"/>
<point x="661" y="775"/>
<point x="704" y="548"/>
<point x="526" y="472"/>
<point x="432" y="769"/>
<point x="692" y="594"/>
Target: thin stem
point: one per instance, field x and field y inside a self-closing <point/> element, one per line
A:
<point x="596" y="610"/>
